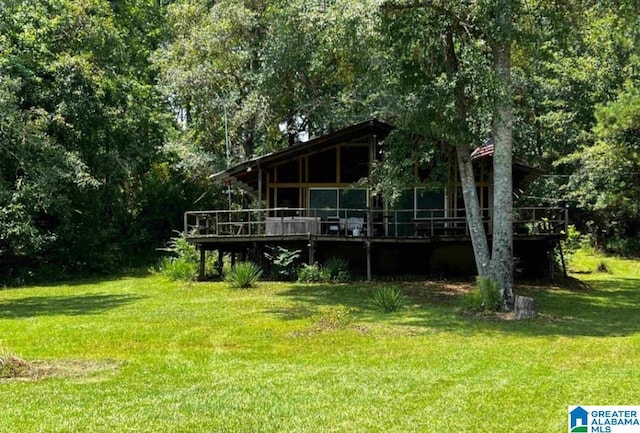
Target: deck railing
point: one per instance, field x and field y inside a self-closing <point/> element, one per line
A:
<point x="244" y="223"/>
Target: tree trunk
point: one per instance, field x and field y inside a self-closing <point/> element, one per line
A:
<point x="473" y="212"/>
<point x="465" y="166"/>
<point x="502" y="134"/>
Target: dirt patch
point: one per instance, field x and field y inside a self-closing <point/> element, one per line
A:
<point x="13" y="368"/>
<point x="436" y="292"/>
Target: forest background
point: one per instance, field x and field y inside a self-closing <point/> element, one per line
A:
<point x="114" y="113"/>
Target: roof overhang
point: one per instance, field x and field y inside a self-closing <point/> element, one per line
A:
<point x="245" y="174"/>
<point x="523" y="173"/>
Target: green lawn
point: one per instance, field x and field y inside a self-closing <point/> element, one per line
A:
<point x="141" y="354"/>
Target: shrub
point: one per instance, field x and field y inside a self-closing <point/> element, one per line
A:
<point x="284" y="262"/>
<point x="574" y="241"/>
<point x="485" y="296"/>
<point x="177" y="269"/>
<point x="338" y="269"/>
<point x="244" y="275"/>
<point x="312" y="274"/>
<point x="388" y="299"/>
<point x="179" y="247"/>
<point x="182" y="265"/>
<point x="623" y="246"/>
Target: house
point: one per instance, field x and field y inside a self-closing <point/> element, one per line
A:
<point x="313" y="196"/>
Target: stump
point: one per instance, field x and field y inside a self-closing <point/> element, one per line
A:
<point x="525" y="308"/>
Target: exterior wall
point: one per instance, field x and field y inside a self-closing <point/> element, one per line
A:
<point x="299" y="183"/>
<point x="290" y="183"/>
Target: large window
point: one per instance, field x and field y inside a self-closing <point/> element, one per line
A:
<point x="415" y="203"/>
<point x="342" y="202"/>
<point x="429" y="202"/>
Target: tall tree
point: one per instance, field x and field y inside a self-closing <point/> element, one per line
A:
<point x="474" y="48"/>
<point x="90" y="124"/>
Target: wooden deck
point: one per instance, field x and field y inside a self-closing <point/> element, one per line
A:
<point x="357" y="225"/>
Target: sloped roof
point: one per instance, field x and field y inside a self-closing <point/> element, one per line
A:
<point x="245" y="174"/>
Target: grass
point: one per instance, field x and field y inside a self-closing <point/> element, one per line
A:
<point x="151" y="355"/>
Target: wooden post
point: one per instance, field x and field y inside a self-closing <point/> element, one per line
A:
<point x="220" y="263"/>
<point x="564" y="266"/>
<point x="233" y="260"/>
<point x="260" y="215"/>
<point x="202" y="262"/>
<point x="311" y="252"/>
<point x="367" y="244"/>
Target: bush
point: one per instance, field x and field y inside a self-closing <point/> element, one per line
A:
<point x="625" y="247"/>
<point x="179" y="247"/>
<point x="338" y="269"/>
<point x="182" y="265"/>
<point x="177" y="269"/>
<point x="334" y="270"/>
<point x="574" y="241"/>
<point x="388" y="299"/>
<point x="284" y="262"/>
<point x="485" y="296"/>
<point x="312" y="274"/>
<point x="244" y="275"/>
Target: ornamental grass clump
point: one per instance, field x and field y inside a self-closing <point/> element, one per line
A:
<point x="243" y="275"/>
<point x="388" y="299"/>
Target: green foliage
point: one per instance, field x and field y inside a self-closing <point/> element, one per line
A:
<point x="313" y="274"/>
<point x="244" y="275"/>
<point x="179" y="247"/>
<point x="623" y="246"/>
<point x="284" y="262"/>
<point x="82" y="125"/>
<point x="177" y="269"/>
<point x="337" y="269"/>
<point x="388" y="299"/>
<point x="182" y="265"/>
<point x="484" y="297"/>
<point x="574" y="241"/>
<point x="603" y="182"/>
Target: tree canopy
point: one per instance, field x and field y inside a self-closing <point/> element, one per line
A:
<point x="112" y="114"/>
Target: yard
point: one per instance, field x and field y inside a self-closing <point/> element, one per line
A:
<point x="142" y="354"/>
